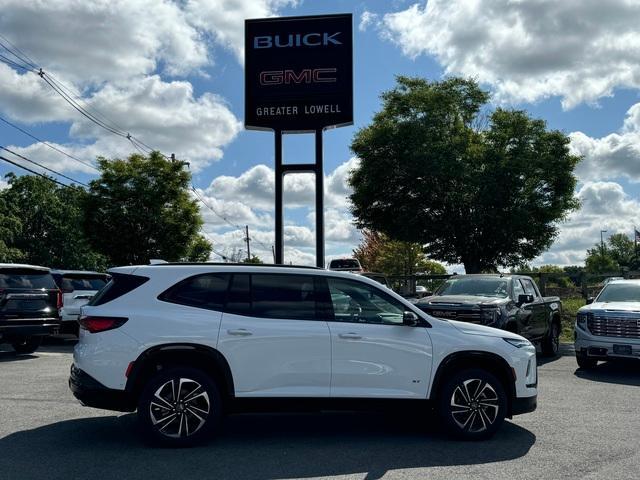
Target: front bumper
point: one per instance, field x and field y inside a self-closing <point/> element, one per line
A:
<point x="92" y="393"/>
<point x="601" y="348"/>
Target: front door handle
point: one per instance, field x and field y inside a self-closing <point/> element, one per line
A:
<point x="350" y="336"/>
<point x="240" y="332"/>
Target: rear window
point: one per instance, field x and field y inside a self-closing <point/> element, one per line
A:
<point x="70" y="283"/>
<point x="203" y="291"/>
<point x="22" y="278"/>
<point x="119" y="285"/>
<point x="345" y="263"/>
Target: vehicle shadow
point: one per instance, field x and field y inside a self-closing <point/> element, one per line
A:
<point x="566" y="350"/>
<point x="252" y="446"/>
<point x="621" y="372"/>
<point x="11" y="356"/>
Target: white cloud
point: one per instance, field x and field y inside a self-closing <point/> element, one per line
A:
<point x="605" y="206"/>
<point x="612" y="156"/>
<point x="367" y="19"/>
<point x="580" y="50"/>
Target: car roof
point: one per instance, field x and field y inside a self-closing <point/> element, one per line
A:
<point x="24" y="266"/>
<point x="625" y="280"/>
<point x="76" y="272"/>
<point x="491" y="275"/>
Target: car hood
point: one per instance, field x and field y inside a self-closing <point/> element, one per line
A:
<point x="475" y="329"/>
<point x="612" y="306"/>
<point x="444" y="301"/>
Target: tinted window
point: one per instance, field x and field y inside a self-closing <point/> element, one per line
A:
<point x="359" y="302"/>
<point x="283" y="296"/>
<point x="345" y="263"/>
<point x="119" y="285"/>
<point x="76" y="282"/>
<point x="239" y="299"/>
<point x="529" y="289"/>
<point x="620" y="292"/>
<point x="203" y="291"/>
<point x="486" y="287"/>
<point x="25" y="278"/>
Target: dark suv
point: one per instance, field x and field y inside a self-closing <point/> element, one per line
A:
<point x="29" y="305"/>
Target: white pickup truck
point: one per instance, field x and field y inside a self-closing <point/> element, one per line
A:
<point x="609" y="326"/>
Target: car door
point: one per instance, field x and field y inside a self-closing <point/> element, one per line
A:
<point x="272" y="338"/>
<point x="538" y="320"/>
<point x="373" y="353"/>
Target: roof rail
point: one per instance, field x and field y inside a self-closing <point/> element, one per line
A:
<point x="229" y="264"/>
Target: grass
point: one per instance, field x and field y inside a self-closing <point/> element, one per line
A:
<point x="570" y="307"/>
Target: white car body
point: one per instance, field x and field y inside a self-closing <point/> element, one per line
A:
<point x="77" y="290"/>
<point x="608" y="328"/>
<point x="270" y="357"/>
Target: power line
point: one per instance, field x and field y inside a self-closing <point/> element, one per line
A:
<point x="25" y="58"/>
<point x="34" y="172"/>
<point x="42" y="166"/>
<point x="48" y="144"/>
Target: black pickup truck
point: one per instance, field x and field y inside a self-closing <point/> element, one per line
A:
<point x="509" y="302"/>
<point x="29" y="304"/>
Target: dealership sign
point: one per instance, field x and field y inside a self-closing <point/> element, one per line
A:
<point x="299" y="73"/>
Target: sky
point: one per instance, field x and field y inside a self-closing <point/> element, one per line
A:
<point x="170" y="73"/>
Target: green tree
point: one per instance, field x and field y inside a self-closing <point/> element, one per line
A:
<point x="621" y="249"/>
<point x="46" y="224"/>
<point x="199" y="249"/>
<point x="254" y="260"/>
<point x="618" y="252"/>
<point x="10" y="226"/>
<point x="140" y="208"/>
<point x="599" y="261"/>
<point x="482" y="197"/>
<point x="378" y="253"/>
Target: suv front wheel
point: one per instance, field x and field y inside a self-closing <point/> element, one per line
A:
<point x="179" y="407"/>
<point x="472" y="405"/>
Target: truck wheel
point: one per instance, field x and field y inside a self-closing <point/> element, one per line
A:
<point x="26" y="345"/>
<point x="472" y="405"/>
<point x="584" y="362"/>
<point x="551" y="343"/>
<point x="179" y="407"/>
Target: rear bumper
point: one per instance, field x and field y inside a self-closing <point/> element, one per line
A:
<point x="29" y="327"/>
<point x="92" y="393"/>
<point x="524" y="405"/>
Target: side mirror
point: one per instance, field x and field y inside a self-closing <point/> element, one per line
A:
<point x="410" y="319"/>
<point x="523" y="299"/>
<point x="590" y="300"/>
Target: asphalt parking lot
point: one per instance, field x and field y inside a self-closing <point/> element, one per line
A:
<point x="587" y="426"/>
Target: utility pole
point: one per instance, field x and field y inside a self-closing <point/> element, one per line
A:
<point x="248" y="247"/>
<point x="273" y="250"/>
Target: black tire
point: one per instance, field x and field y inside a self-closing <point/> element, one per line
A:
<point x="551" y="343"/>
<point x="26" y="345"/>
<point x="586" y="363"/>
<point x="472" y="405"/>
<point x="200" y="410"/>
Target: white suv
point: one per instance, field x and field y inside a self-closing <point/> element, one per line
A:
<point x="184" y="344"/>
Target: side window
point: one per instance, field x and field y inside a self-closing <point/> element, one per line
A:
<point x="517" y="289"/>
<point x="283" y="296"/>
<point x="362" y="303"/>
<point x="239" y="299"/>
<point x="529" y="289"/>
<point x="202" y="291"/>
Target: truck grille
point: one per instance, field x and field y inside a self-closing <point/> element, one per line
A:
<point x="614" y="326"/>
<point x="470" y="316"/>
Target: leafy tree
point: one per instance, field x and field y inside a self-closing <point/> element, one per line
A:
<point x="199" y="249"/>
<point x="10" y="225"/>
<point x="254" y="260"/>
<point x="482" y="197"/>
<point x="599" y="261"/>
<point x="46" y="223"/>
<point x="140" y="208"/>
<point x="617" y="253"/>
<point x="378" y="253"/>
<point x="621" y="248"/>
<point x="559" y="279"/>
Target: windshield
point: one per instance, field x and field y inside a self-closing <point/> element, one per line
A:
<point x="353" y="264"/>
<point x="620" y="292"/>
<point x="486" y="287"/>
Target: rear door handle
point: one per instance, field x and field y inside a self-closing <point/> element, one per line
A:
<point x="240" y="332"/>
<point x="350" y="336"/>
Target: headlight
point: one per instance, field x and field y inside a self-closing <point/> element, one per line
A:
<point x="581" y="320"/>
<point x="518" y="342"/>
<point x="489" y="316"/>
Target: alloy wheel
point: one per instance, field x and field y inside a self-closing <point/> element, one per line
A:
<point x="474" y="405"/>
<point x="179" y="408"/>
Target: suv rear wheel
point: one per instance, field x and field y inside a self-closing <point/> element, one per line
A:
<point x="26" y="345"/>
<point x="472" y="405"/>
<point x="179" y="407"/>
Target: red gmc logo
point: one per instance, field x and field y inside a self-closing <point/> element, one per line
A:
<point x="308" y="75"/>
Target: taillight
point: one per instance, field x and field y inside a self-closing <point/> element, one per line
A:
<point x="101" y="324"/>
<point x="59" y="300"/>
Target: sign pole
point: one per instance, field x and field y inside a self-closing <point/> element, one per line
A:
<point x="319" y="171"/>
<point x="279" y="214"/>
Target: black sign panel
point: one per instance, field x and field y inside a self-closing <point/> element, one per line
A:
<point x="299" y="72"/>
